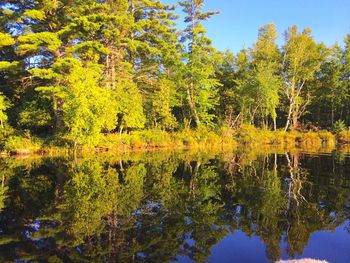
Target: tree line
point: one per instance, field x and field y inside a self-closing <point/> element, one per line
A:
<point x="86" y="67"/>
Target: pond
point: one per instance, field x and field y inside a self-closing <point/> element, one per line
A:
<point x="189" y="206"/>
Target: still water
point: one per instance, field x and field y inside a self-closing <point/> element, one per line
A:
<point x="185" y="207"/>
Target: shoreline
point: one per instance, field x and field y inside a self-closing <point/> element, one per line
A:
<point x="155" y="140"/>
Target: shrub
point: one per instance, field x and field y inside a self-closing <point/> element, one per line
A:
<point x="22" y="145"/>
<point x="344" y="136"/>
<point x="327" y="137"/>
<point x="339" y="126"/>
<point x="310" y="139"/>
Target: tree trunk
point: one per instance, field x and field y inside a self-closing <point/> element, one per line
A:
<point x="289" y="116"/>
<point x="58" y="112"/>
<point x="295" y="120"/>
<point x="193" y="105"/>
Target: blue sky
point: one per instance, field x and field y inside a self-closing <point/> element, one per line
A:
<point x="237" y="24"/>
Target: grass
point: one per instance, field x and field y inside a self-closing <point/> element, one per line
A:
<point x="22" y="145"/>
<point x="247" y="136"/>
<point x="251" y="135"/>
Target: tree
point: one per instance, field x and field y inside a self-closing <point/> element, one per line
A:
<point x="244" y="81"/>
<point x="330" y="91"/>
<point x="6" y="40"/>
<point x="88" y="108"/>
<point x="227" y="75"/>
<point x="199" y="72"/>
<point x="3" y="107"/>
<point x="346" y="75"/>
<point x="301" y="60"/>
<point x="266" y="60"/>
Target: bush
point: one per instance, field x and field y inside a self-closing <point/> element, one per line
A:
<point x="344" y="136"/>
<point x="22" y="145"/>
<point x="309" y="139"/>
<point x="327" y="137"/>
<point x="339" y="126"/>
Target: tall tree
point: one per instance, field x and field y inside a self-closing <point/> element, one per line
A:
<point x="302" y="59"/>
<point x="226" y="73"/>
<point x="3" y="107"/>
<point x="330" y="91"/>
<point x="266" y="60"/>
<point x="156" y="61"/>
<point x="346" y="76"/>
<point x="199" y="72"/>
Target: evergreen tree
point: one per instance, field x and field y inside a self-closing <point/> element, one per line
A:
<point x="199" y="72"/>
<point x="226" y="72"/>
<point x="3" y="107"/>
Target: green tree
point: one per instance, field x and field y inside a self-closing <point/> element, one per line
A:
<point x="245" y="91"/>
<point x="266" y="60"/>
<point x="227" y="73"/>
<point x="331" y="93"/>
<point x="199" y="71"/>
<point x="87" y="108"/>
<point x="302" y="59"/>
<point x="346" y="75"/>
<point x="3" y="107"/>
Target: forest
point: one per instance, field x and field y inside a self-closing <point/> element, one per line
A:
<point x="76" y="71"/>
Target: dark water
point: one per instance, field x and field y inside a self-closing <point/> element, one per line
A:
<point x="161" y="207"/>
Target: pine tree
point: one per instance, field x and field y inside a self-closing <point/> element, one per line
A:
<point x="156" y="61"/>
<point x="3" y="107"/>
<point x="227" y="91"/>
<point x="199" y="71"/>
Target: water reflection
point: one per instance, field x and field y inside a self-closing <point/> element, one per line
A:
<point x="161" y="207"/>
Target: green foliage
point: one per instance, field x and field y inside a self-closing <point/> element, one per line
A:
<point x="129" y="106"/>
<point x="339" y="126"/>
<point x="199" y="81"/>
<point x="78" y="70"/>
<point x="303" y="59"/>
<point x="34" y="115"/>
<point x="3" y="107"/>
<point x="30" y="44"/>
<point x="22" y="145"/>
<point x="6" y="40"/>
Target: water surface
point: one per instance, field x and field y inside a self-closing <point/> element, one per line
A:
<point x="184" y="206"/>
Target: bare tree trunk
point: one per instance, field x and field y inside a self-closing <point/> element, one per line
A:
<point x="59" y="112"/>
<point x="193" y="104"/>
<point x="289" y="116"/>
<point x="107" y="72"/>
<point x="295" y="119"/>
<point x="113" y="75"/>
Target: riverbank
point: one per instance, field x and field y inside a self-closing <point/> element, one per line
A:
<point x="247" y="136"/>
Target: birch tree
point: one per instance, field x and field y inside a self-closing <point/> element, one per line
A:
<point x="302" y="60"/>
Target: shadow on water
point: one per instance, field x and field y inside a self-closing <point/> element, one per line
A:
<point x="167" y="206"/>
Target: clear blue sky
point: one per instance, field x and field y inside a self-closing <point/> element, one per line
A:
<point x="237" y="24"/>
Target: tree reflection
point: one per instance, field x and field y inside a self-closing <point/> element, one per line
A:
<point x="157" y="207"/>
